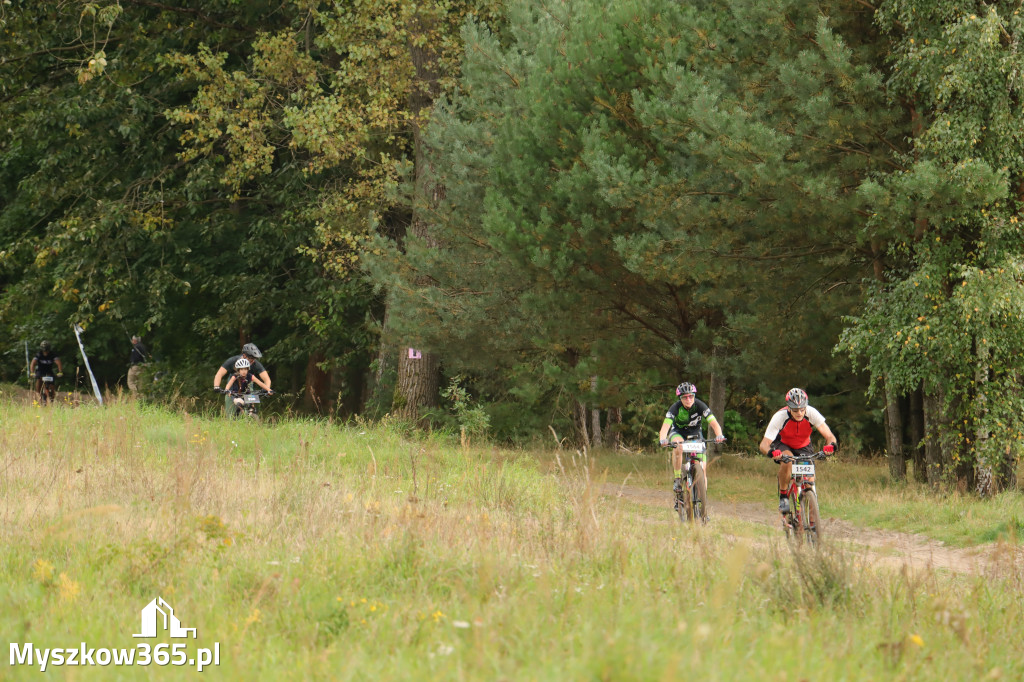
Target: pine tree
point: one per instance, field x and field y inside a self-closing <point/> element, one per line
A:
<point x="634" y="188"/>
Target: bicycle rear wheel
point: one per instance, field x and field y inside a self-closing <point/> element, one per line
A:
<point x="811" y="520"/>
<point x="700" y="494"/>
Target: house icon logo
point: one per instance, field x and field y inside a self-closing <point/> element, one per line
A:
<point x="151" y="620"/>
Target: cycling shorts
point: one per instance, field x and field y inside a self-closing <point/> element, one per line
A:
<point x="675" y="436"/>
<point x="797" y="452"/>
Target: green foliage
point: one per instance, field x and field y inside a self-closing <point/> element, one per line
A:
<point x="106" y="223"/>
<point x="472" y="417"/>
<point x="627" y="184"/>
<point x="947" y="315"/>
<point x="738" y="430"/>
<point x="607" y="196"/>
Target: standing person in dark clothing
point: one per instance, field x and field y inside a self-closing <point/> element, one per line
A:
<point x="139" y="356"/>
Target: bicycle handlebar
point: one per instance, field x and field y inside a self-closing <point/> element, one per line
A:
<point x="259" y="392"/>
<point x="820" y="454"/>
<point x="672" y="444"/>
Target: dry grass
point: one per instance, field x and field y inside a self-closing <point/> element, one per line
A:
<point x="312" y="551"/>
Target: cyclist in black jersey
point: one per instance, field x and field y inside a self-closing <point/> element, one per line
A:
<point x="241" y="382"/>
<point x="682" y="421"/>
<point x="42" y="365"/>
<point x="251" y="353"/>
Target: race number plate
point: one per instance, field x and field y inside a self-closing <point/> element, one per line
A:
<point x="693" y="447"/>
<point x="804" y="469"/>
<point x="250" y="398"/>
<point x="47" y="380"/>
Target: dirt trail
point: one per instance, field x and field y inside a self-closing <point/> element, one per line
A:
<point x="883" y="547"/>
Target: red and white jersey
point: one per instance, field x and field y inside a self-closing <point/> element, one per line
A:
<point x="795" y="434"/>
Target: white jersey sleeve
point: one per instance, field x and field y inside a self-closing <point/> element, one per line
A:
<point x="815" y="417"/>
<point x="778" y="420"/>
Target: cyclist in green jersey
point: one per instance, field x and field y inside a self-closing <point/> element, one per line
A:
<point x="682" y="421"/>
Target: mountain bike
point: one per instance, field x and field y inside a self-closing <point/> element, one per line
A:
<point x="250" y="406"/>
<point x="691" y="502"/>
<point x="802" y="521"/>
<point x="47" y="388"/>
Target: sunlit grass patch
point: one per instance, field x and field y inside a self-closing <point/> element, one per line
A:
<point x="312" y="550"/>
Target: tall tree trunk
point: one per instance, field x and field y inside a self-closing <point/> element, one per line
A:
<point x="716" y="401"/>
<point x="419" y="379"/>
<point x="934" y="461"/>
<point x="595" y="418"/>
<point x="1006" y="473"/>
<point x="957" y="447"/>
<point x="984" y="474"/>
<point x="894" y="435"/>
<point x="614" y="428"/>
<point x="580" y="413"/>
<point x="317" y="384"/>
<point x="893" y="417"/>
<point x="384" y="354"/>
<point x="1006" y="470"/>
<point x="917" y="435"/>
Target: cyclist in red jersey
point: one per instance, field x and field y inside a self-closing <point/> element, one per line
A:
<point x="789" y="433"/>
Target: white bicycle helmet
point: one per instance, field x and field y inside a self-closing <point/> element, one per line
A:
<point x="796" y="398"/>
<point x="242" y="363"/>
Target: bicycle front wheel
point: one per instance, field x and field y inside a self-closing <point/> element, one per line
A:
<point x="700" y="495"/>
<point x="678" y="501"/>
<point x="811" y="520"/>
<point x="793" y="518"/>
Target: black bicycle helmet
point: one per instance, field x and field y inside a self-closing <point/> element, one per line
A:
<point x="686" y="388"/>
<point x="44" y="346"/>
<point x="251" y="350"/>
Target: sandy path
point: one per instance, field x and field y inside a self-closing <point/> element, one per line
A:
<point x="884" y="547"/>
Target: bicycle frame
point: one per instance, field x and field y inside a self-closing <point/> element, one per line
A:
<point x="250" y="401"/>
<point x="688" y="505"/>
<point x="47" y="388"/>
<point x="799" y="519"/>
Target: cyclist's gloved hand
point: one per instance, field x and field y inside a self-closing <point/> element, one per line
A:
<point x="829" y="449"/>
<point x="60" y="374"/>
<point x="776" y="454"/>
<point x="664" y="442"/>
<point x="719" y="439"/>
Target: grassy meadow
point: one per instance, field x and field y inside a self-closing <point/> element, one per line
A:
<point x="317" y="551"/>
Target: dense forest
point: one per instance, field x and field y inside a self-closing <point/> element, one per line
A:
<point x="532" y="216"/>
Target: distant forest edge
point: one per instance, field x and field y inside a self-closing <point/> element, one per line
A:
<point x="525" y="217"/>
